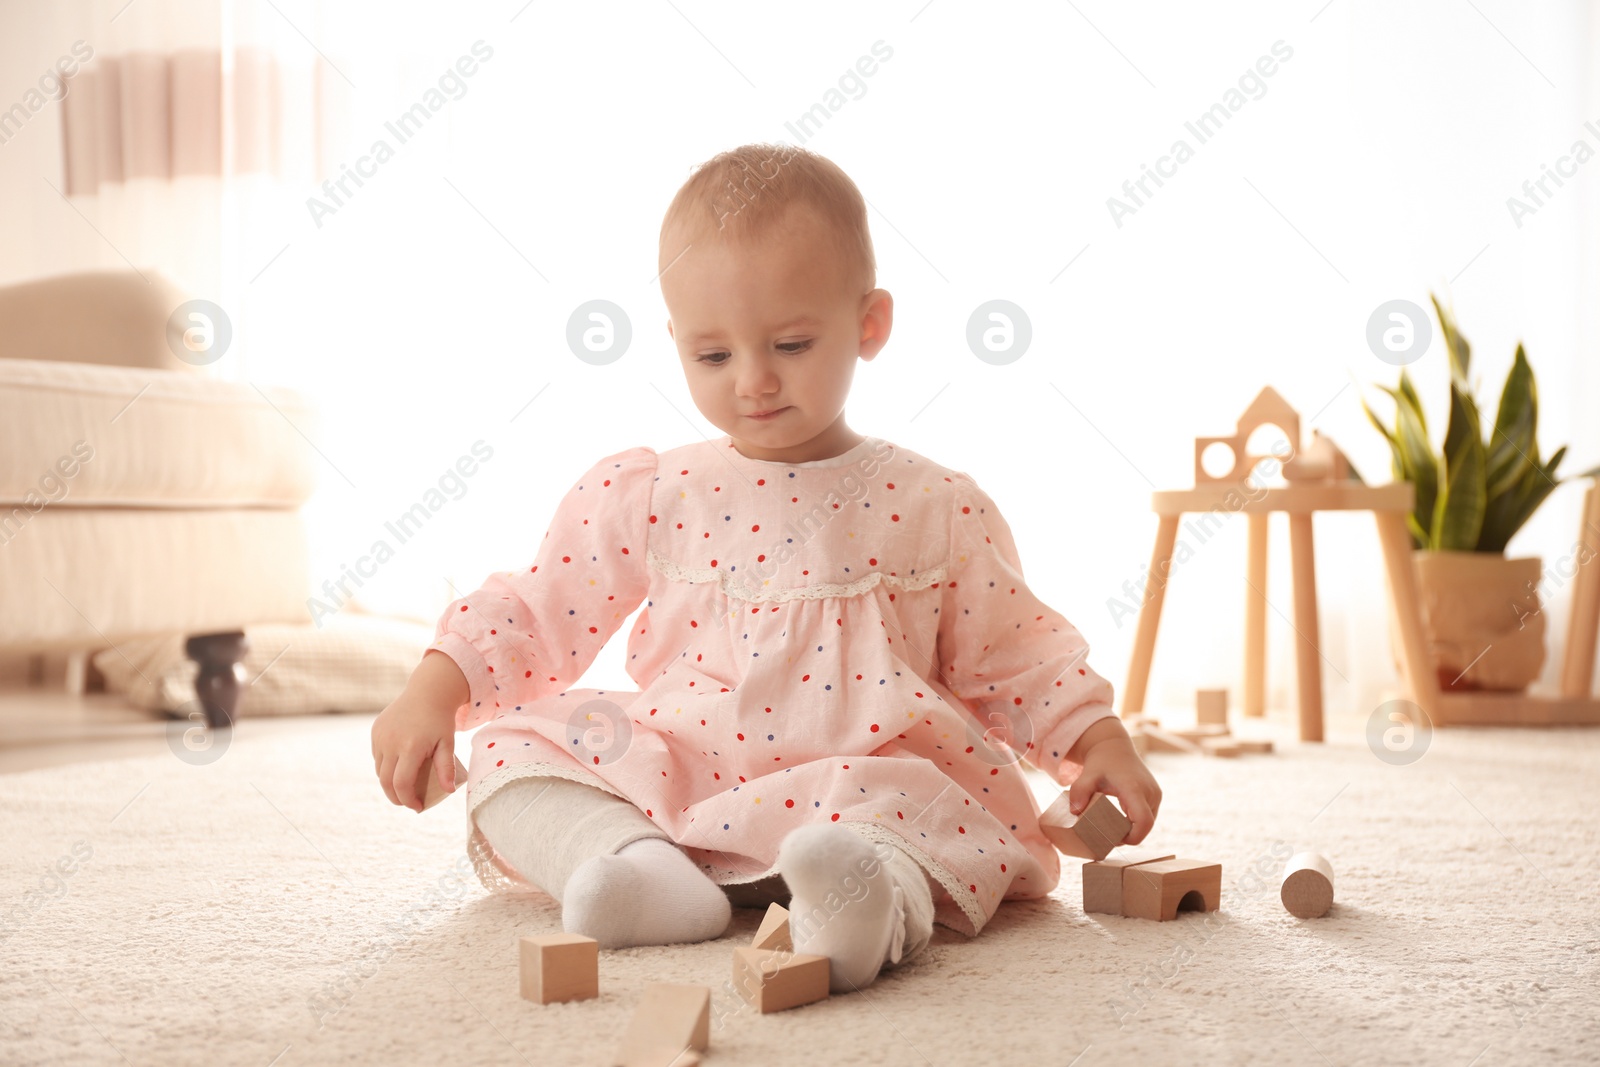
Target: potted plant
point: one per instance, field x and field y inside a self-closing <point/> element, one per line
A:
<point x="1481" y="611"/>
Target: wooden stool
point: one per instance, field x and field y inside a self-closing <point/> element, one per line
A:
<point x="1389" y="504"/>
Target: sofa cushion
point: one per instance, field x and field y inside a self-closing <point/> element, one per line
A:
<point x="85" y="435"/>
<point x="353" y="662"/>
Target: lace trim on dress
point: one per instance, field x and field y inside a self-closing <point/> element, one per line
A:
<point x="739" y="589"/>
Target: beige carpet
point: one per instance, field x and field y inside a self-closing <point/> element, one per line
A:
<point x="273" y="908"/>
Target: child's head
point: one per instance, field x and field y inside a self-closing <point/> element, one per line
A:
<point x="769" y="278"/>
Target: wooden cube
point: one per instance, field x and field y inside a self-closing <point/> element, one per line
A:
<point x="560" y="967"/>
<point x="428" y="784"/>
<point x="1211" y="707"/>
<point x="670" y="1027"/>
<point x="774" y="931"/>
<point x="776" y="980"/>
<point x="1226" y="747"/>
<point x="1102" y="881"/>
<point x="1090" y="836"/>
<point x="1157" y="890"/>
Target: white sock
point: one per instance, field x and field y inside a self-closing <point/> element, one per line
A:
<point x="647" y="893"/>
<point x="859" y="922"/>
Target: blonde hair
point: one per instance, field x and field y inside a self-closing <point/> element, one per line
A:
<point x="744" y="193"/>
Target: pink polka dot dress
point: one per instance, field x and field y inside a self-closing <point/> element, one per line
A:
<point x="845" y="641"/>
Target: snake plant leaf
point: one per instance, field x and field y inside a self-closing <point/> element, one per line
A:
<point x="1414" y="455"/>
<point x="1464" y="492"/>
<point x="1460" y="351"/>
<point x="1409" y="390"/>
<point x="1514" y="446"/>
<point x="1509" y="512"/>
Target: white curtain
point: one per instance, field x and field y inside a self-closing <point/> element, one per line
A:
<point x="187" y="125"/>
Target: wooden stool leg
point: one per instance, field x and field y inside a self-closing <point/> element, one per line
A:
<point x="1308" y="671"/>
<point x="1583" y="626"/>
<point x="1255" y="618"/>
<point x="1420" y="679"/>
<point x="1144" y="642"/>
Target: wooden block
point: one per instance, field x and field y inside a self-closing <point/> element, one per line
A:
<point x="776" y="980"/>
<point x="1307" y="890"/>
<point x="1163" y="741"/>
<point x="1090" y="836"/>
<point x="1211" y="707"/>
<point x="1157" y="890"/>
<point x="1225" y="747"/>
<point x="1102" y="881"/>
<point x="1253" y="748"/>
<point x="431" y="792"/>
<point x="560" y="967"/>
<point x="671" y="1025"/>
<point x="1200" y="734"/>
<point x="774" y="931"/>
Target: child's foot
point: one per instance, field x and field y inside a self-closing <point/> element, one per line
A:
<point x="647" y="893"/>
<point x="836" y="911"/>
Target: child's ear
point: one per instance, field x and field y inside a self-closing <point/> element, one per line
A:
<point x="877" y="319"/>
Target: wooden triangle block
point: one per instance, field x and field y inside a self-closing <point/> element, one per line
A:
<point x="1090" y="836"/>
<point x="774" y="931"/>
<point x="432" y="793"/>
<point x="779" y="980"/>
<point x="669" y="1028"/>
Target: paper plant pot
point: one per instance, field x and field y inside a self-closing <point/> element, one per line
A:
<point x="1482" y="618"/>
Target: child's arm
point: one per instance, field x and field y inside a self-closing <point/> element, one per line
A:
<point x="1111" y="766"/>
<point x="532" y="632"/>
<point x="526" y="633"/>
<point x="1003" y="651"/>
<point x="419" y="726"/>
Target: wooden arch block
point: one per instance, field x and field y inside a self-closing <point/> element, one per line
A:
<point x="1156" y="890"/>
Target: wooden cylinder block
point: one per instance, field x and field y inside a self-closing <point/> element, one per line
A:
<point x="1307" y="890"/>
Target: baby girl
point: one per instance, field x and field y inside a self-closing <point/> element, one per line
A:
<point x="840" y="668"/>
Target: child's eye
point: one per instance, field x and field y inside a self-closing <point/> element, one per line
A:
<point x="791" y="348"/>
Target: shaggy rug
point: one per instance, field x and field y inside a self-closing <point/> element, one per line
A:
<point x="272" y="908"/>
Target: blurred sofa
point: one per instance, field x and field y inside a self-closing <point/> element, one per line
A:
<point x="141" y="494"/>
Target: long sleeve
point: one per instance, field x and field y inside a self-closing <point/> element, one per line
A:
<point x="1011" y="659"/>
<point x="533" y="632"/>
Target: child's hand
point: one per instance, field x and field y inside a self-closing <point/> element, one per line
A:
<point x="1111" y="766"/>
<point x="418" y="729"/>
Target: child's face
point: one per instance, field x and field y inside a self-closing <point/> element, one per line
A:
<point x="774" y="326"/>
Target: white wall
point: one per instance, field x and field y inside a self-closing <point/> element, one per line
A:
<point x="1377" y="165"/>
